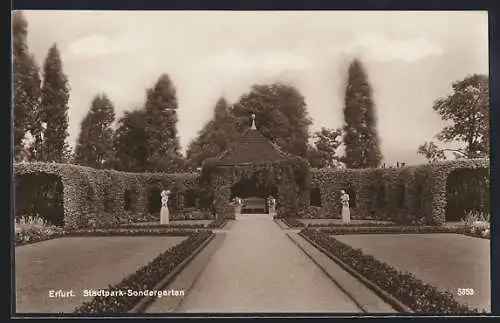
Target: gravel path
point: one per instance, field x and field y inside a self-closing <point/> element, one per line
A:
<point x="259" y="269"/>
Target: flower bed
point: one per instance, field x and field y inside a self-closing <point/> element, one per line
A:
<point x="35" y="229"/>
<point x="172" y="226"/>
<point x="409" y="290"/>
<point x="390" y="230"/>
<point x="218" y="223"/>
<point x="145" y="278"/>
<point x="131" y="232"/>
<point x="293" y="223"/>
<point x="335" y="225"/>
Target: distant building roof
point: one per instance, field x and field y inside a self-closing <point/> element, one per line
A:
<point x="252" y="147"/>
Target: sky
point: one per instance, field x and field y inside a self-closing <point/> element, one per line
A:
<point x="411" y="60"/>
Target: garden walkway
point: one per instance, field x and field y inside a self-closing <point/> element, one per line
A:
<point x="258" y="268"/>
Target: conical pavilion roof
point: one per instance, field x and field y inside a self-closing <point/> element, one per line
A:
<point x="252" y="147"/>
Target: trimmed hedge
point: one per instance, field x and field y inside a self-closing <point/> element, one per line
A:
<point x="409" y="290"/>
<point x="145" y="278"/>
<point x="94" y="197"/>
<point x="408" y="195"/>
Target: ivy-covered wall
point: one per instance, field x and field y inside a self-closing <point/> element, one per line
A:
<point x="413" y="194"/>
<point x="92" y="196"/>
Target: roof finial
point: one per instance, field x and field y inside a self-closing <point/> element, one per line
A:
<point x="253" y="122"/>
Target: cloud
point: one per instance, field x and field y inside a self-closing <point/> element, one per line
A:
<point x="98" y="45"/>
<point x="381" y="48"/>
<point x="246" y="63"/>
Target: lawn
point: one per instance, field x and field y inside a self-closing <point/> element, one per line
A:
<point x="446" y="261"/>
<point x="78" y="263"/>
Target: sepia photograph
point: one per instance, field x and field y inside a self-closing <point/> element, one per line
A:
<point x="246" y="162"/>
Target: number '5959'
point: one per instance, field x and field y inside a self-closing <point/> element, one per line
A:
<point x="465" y="291"/>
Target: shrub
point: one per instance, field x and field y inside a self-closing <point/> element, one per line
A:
<point x="409" y="290"/>
<point x="145" y="278"/>
<point x="31" y="229"/>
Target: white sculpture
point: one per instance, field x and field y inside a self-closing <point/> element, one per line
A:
<point x="346" y="212"/>
<point x="271" y="205"/>
<point x="164" y="213"/>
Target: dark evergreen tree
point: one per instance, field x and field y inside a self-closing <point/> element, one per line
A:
<point x="130" y="142"/>
<point x="26" y="91"/>
<point x="95" y="144"/>
<point x="362" y="144"/>
<point x="54" y="102"/>
<point x="161" y="126"/>
<point x="215" y="137"/>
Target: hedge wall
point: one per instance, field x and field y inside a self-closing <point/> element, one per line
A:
<point x="413" y="194"/>
<point x="94" y="197"/>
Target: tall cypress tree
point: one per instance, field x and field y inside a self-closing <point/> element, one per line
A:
<point x="95" y="143"/>
<point x="130" y="142"/>
<point x="55" y="97"/>
<point x="161" y="126"/>
<point x="362" y="144"/>
<point x="26" y="90"/>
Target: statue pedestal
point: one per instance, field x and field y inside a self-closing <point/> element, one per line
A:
<point x="346" y="215"/>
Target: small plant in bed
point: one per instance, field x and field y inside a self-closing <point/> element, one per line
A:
<point x="477" y="224"/>
<point x="31" y="229"/>
<point x="409" y="290"/>
<point x="144" y="279"/>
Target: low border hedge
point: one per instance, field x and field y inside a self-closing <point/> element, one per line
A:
<point x="390" y="230"/>
<point x="218" y="223"/>
<point x="131" y="232"/>
<point x="145" y="277"/>
<point x="293" y="223"/>
<point x="343" y="225"/>
<point x="170" y="226"/>
<point x="404" y="286"/>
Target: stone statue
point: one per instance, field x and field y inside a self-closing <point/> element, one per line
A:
<point x="346" y="212"/>
<point x="271" y="204"/>
<point x="164" y="213"/>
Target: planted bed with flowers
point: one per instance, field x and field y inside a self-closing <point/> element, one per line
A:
<point x="145" y="278"/>
<point x="414" y="268"/>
